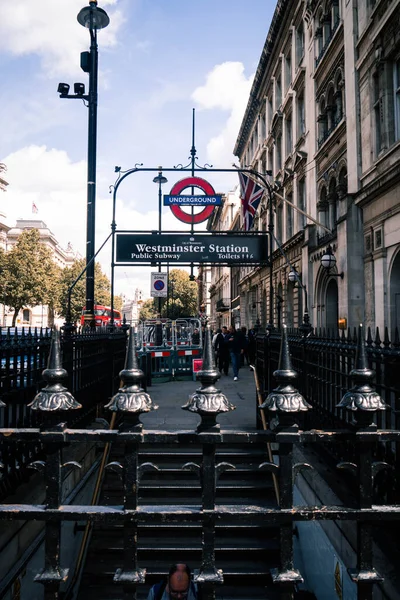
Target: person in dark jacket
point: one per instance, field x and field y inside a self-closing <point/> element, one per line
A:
<point x="222" y="350"/>
<point x="236" y="349"/>
<point x="177" y="585"/>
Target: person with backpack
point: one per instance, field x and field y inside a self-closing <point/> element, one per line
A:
<point x="178" y="585"/>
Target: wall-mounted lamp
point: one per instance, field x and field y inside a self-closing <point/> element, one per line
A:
<point x="328" y="261"/>
<point x="293" y="276"/>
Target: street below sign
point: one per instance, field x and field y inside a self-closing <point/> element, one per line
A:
<point x="184" y="248"/>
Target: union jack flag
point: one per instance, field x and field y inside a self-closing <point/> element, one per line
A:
<point x="250" y="196"/>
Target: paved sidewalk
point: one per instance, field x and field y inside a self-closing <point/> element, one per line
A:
<point x="171" y="396"/>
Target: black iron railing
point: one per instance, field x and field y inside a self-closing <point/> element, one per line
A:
<point x="92" y="359"/>
<point x="324" y="362"/>
<point x="283" y="402"/>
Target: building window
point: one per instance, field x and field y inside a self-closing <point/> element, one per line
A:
<point x="289" y="137"/>
<point x="278" y="148"/>
<point x="377" y="239"/>
<point x="288" y="70"/>
<point x="299" y="43"/>
<point x="262" y="127"/>
<point x="278" y="92"/>
<point x="301" y="115"/>
<point x="26" y="315"/>
<point x="396" y="87"/>
<point x="279" y="223"/>
<point x="289" y="218"/>
<point x="378" y="112"/>
<point x="301" y="203"/>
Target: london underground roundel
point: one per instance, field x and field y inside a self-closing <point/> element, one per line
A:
<point x="197" y="182"/>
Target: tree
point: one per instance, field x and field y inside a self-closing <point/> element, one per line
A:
<point x="148" y="310"/>
<point x="29" y="274"/>
<point x="182" y="298"/>
<point x="78" y="295"/>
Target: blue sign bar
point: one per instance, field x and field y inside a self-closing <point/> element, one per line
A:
<point x="192" y="200"/>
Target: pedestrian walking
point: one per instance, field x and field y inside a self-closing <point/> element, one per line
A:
<point x="236" y="349"/>
<point x="222" y="350"/>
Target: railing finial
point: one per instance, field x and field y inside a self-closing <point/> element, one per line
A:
<point x="285" y="398"/>
<point x="208" y="401"/>
<point x="131" y="398"/>
<point x="54" y="397"/>
<point x="362" y="396"/>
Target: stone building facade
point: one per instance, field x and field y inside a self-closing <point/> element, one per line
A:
<point x="323" y="120"/>
<point x="33" y="316"/>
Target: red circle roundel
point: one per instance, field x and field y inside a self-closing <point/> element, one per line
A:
<point x="192" y="182"/>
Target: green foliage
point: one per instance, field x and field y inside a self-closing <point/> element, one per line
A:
<point x="29" y="275"/>
<point x="148" y="310"/>
<point x="78" y="295"/>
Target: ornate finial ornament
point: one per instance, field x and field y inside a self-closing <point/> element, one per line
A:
<point x="208" y="401"/>
<point x="54" y="397"/>
<point x="285" y="398"/>
<point x="362" y="396"/>
<point x="131" y="398"/>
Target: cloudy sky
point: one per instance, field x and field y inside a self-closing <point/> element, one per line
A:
<point x="158" y="59"/>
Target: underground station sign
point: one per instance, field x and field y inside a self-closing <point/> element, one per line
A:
<point x="190" y="248"/>
<point x="175" y="200"/>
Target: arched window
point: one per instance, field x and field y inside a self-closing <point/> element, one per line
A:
<point x="335" y="13"/>
<point x="330" y="111"/>
<point x="319" y="32"/>
<point x="289" y="304"/>
<point x="332" y="306"/>
<point x="332" y="198"/>
<point x="26" y="315"/>
<point x="338" y="97"/>
<point x="395" y="296"/>
<point x="322" y="207"/>
<point x="322" y="122"/>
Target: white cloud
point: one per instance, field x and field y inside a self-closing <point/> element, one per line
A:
<point x="57" y="186"/>
<point x="50" y="30"/>
<point x="226" y="88"/>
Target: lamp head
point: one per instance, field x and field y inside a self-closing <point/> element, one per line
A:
<point x="93" y="17"/>
<point x="328" y="261"/>
<point x="160" y="178"/>
<point x="293" y="276"/>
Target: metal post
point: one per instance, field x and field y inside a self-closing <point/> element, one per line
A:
<point x="91" y="175"/>
<point x="271" y="268"/>
<point x="160" y="179"/>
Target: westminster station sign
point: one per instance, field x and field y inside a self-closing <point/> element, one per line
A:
<point x="190" y="248"/>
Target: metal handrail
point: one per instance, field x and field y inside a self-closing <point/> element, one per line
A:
<point x="265" y="427"/>
<point x="89" y="524"/>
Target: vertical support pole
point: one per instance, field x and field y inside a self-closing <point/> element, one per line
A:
<point x="364" y="403"/>
<point x="131" y="400"/>
<point x="208" y="402"/>
<point x="50" y="402"/>
<point x="91" y="176"/>
<point x="286" y="403"/>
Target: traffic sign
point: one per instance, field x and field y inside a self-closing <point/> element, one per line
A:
<point x="159" y="285"/>
<point x="197" y="182"/>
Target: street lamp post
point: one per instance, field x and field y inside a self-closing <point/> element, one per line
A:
<point x="160" y="179"/>
<point x="306" y="327"/>
<point x="93" y="18"/>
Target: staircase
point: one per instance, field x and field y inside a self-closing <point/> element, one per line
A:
<point x="245" y="553"/>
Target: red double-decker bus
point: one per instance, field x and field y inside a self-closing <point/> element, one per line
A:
<point x="102" y="316"/>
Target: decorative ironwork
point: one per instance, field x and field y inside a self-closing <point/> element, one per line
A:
<point x="285" y="398"/>
<point x="131" y="398"/>
<point x="54" y="397"/>
<point x="362" y="396"/>
<point x="208" y="401"/>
